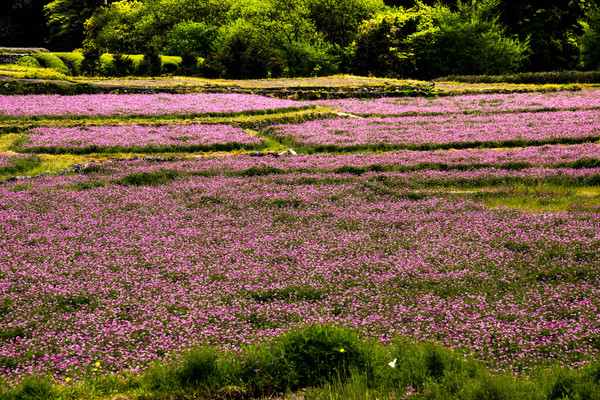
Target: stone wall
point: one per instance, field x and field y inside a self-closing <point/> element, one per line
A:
<point x="8" y="58"/>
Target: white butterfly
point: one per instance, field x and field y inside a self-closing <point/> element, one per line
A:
<point x="393" y="363"/>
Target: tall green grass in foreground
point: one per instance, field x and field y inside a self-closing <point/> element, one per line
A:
<point x="321" y="362"/>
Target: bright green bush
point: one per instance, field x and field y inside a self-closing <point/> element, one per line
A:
<point x="393" y="44"/>
<point x="49" y="60"/>
<point x="115" y="28"/>
<point x="29" y="61"/>
<point x="428" y="42"/>
<point x="72" y="60"/>
<point x="244" y="53"/>
<point x="170" y="64"/>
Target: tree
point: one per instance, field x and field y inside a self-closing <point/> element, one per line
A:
<point x="273" y="38"/>
<point x="113" y="28"/>
<point x="65" y="21"/>
<point x="151" y="64"/>
<point x="552" y="28"/>
<point x="471" y="41"/>
<point x="338" y="20"/>
<point x="590" y="41"/>
<point x="191" y="36"/>
<point x="16" y="19"/>
<point x="392" y="44"/>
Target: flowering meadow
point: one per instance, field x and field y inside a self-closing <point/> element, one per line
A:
<point x="119" y="263"/>
<point x="86" y="139"/>
<point x="491" y="103"/>
<point x="453" y="131"/>
<point x="137" y="104"/>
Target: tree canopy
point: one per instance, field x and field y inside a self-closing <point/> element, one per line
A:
<point x="261" y="38"/>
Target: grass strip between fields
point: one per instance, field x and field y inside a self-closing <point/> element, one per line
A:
<point x="319" y="362"/>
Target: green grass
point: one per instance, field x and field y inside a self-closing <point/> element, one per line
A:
<point x="543" y="197"/>
<point x="321" y="362"/>
<point x="19" y="71"/>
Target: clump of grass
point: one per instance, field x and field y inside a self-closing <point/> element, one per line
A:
<point x="148" y="178"/>
<point x="20" y="165"/>
<point x="542" y="196"/>
<point x="259" y="171"/>
<point x="29" y="61"/>
<point x="49" y="60"/>
<point x="320" y="352"/>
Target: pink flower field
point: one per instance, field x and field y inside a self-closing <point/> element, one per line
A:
<point x="418" y="228"/>
<point x="477" y="103"/>
<point x="137" y="104"/>
<point x="139" y="137"/>
<point x="126" y="274"/>
<point x="424" y="132"/>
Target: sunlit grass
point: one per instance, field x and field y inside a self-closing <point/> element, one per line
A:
<point x="27" y="72"/>
<point x="539" y="197"/>
<point x="8" y="141"/>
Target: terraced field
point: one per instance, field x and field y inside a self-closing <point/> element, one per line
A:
<point x="471" y="221"/>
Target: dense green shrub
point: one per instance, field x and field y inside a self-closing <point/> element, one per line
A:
<point x="90" y="65"/>
<point x="115" y="28"/>
<point x="151" y="64"/>
<point x="320" y="353"/>
<point x="242" y="55"/>
<point x="189" y="63"/>
<point x="191" y="36"/>
<point x="29" y="61"/>
<point x="131" y="26"/>
<point x="200" y="370"/>
<point x="49" y="60"/>
<point x="428" y="42"/>
<point x="338" y="20"/>
<point x="121" y="65"/>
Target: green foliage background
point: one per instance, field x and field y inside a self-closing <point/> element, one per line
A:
<point x="274" y="38"/>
